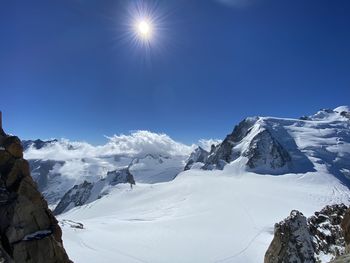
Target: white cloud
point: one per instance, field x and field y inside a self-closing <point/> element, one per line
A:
<point x="135" y="144"/>
<point x="146" y="142"/>
<point x="62" y="150"/>
<point x="138" y="143"/>
<point x="207" y="143"/>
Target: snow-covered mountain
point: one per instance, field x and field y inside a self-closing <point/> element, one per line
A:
<point x="227" y="201"/>
<point x="61" y="166"/>
<point x="87" y="192"/>
<point x="198" y="157"/>
<point x="267" y="145"/>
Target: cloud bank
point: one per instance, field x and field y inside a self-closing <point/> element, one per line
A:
<point x="207" y="143"/>
<point x="138" y="143"/>
<point x="146" y="142"/>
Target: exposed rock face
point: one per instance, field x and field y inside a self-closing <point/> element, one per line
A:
<point x="345" y="225"/>
<point x="28" y="230"/>
<point x="315" y="239"/>
<point x="120" y="176"/>
<point x="223" y="153"/>
<point x="198" y="156"/>
<point x="13" y="146"/>
<point x="71" y="223"/>
<point x="326" y="230"/>
<point x="345" y="114"/>
<point x="88" y="192"/>
<point x="292" y="241"/>
<point x="2" y="133"/>
<point x="77" y="196"/>
<point x="343" y="111"/>
<point x="342" y="259"/>
<point x="265" y="151"/>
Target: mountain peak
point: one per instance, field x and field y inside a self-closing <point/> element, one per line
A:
<point x="342" y="108"/>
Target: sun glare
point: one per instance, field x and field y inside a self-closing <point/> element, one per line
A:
<point x="145" y="26"/>
<point x="144" y="29"/>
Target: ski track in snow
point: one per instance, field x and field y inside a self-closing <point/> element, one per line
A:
<point x="241" y="251"/>
<point x="201" y="216"/>
<point x="207" y="216"/>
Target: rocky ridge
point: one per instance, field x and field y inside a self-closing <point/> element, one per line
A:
<point x="253" y="140"/>
<point x="318" y="238"/>
<point x="28" y="230"/>
<point x="87" y="192"/>
<point x="199" y="155"/>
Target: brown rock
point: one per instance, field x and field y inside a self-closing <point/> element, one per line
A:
<point x="346" y="226"/>
<point x="20" y="169"/>
<point x="29" y="233"/>
<point x="51" y="252"/>
<point x="13" y="145"/>
<point x="4" y="157"/>
<point x="4" y="257"/>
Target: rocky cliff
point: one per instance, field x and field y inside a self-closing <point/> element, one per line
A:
<point x="316" y="239"/>
<point x="251" y="139"/>
<point x="292" y="241"/>
<point x="87" y="192"/>
<point x="199" y="155"/>
<point x="28" y="230"/>
<point x="345" y="225"/>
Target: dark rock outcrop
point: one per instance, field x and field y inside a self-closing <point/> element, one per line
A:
<point x="71" y="223"/>
<point x="297" y="239"/>
<point x="326" y="231"/>
<point x="304" y="118"/>
<point x="28" y="230"/>
<point x="120" y="176"/>
<point x="264" y="153"/>
<point x="198" y="155"/>
<point x="345" y="114"/>
<point x="223" y="153"/>
<point x="345" y="225"/>
<point x="87" y="192"/>
<point x="77" y="196"/>
<point x="292" y="241"/>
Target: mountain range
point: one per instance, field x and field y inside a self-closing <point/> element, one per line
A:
<point x="147" y="198"/>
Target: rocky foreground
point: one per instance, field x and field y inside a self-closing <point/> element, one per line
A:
<point x="323" y="237"/>
<point x="28" y="230"/>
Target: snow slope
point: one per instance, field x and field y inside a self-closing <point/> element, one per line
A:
<point x="220" y="215"/>
<point x="201" y="216"/>
<point x="58" y="165"/>
<point x="268" y="145"/>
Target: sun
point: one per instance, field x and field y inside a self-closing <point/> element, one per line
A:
<point x="144" y="29"/>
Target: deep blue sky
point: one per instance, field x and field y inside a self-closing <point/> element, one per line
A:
<point x="68" y="70"/>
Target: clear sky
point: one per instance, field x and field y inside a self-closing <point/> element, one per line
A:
<point x="69" y="68"/>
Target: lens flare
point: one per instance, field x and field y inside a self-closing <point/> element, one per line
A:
<point x="144" y="29"/>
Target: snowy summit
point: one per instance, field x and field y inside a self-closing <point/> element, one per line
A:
<point x="227" y="199"/>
